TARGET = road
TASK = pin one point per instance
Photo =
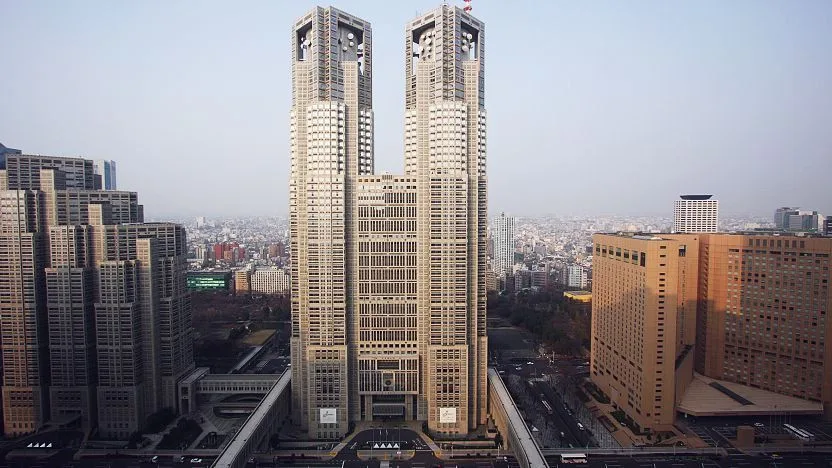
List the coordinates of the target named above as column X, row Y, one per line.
column 561, row 417
column 737, row 461
column 406, row 439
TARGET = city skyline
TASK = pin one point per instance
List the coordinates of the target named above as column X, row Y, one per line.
column 736, row 89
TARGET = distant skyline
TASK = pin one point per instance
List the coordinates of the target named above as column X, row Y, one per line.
column 596, row 108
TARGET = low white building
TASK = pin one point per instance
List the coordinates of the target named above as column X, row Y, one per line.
column 270, row 281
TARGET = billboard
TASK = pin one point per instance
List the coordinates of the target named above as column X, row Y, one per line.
column 329, row 416
column 447, row 415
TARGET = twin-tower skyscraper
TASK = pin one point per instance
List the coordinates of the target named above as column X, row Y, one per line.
column 388, row 271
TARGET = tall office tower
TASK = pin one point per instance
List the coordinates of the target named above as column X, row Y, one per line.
column 445, row 138
column 781, row 216
column 23, row 330
column 643, row 322
column 503, row 244
column 827, row 226
column 93, row 307
column 331, row 134
column 143, row 320
column 695, row 213
column 388, row 289
column 70, row 308
column 764, row 307
column 107, row 171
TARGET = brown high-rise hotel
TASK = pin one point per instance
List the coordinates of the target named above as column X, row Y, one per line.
column 94, row 315
column 712, row 324
column 388, row 271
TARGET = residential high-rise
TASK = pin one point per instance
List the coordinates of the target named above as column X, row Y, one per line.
column 503, row 244
column 95, row 315
column 107, row 171
column 388, row 271
column 575, row 276
column 745, row 313
column 695, row 213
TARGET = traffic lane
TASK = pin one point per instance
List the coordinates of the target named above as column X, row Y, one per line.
column 565, row 421
column 674, row 462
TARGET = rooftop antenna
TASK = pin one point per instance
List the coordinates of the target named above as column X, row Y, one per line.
column 468, row 6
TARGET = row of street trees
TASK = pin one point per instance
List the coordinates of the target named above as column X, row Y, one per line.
column 547, row 316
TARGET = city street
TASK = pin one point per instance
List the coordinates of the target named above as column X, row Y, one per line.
column 553, row 382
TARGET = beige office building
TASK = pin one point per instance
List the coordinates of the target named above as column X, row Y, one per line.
column 643, row 320
column 388, row 271
column 763, row 317
column 712, row 324
column 95, row 316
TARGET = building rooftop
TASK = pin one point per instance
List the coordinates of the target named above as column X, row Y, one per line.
column 711, row 397
column 580, row 296
column 695, row 197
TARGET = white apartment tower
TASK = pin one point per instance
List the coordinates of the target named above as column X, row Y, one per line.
column 388, row 290
column 503, row 244
column 695, row 213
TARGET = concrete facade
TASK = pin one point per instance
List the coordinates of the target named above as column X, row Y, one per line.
column 388, row 271
column 747, row 309
column 95, row 315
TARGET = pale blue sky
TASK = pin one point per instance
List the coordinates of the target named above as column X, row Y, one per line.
column 595, row 107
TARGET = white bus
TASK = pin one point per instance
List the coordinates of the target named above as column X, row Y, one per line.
column 547, row 406
column 573, row 458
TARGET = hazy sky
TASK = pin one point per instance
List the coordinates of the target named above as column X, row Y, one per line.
column 594, row 107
